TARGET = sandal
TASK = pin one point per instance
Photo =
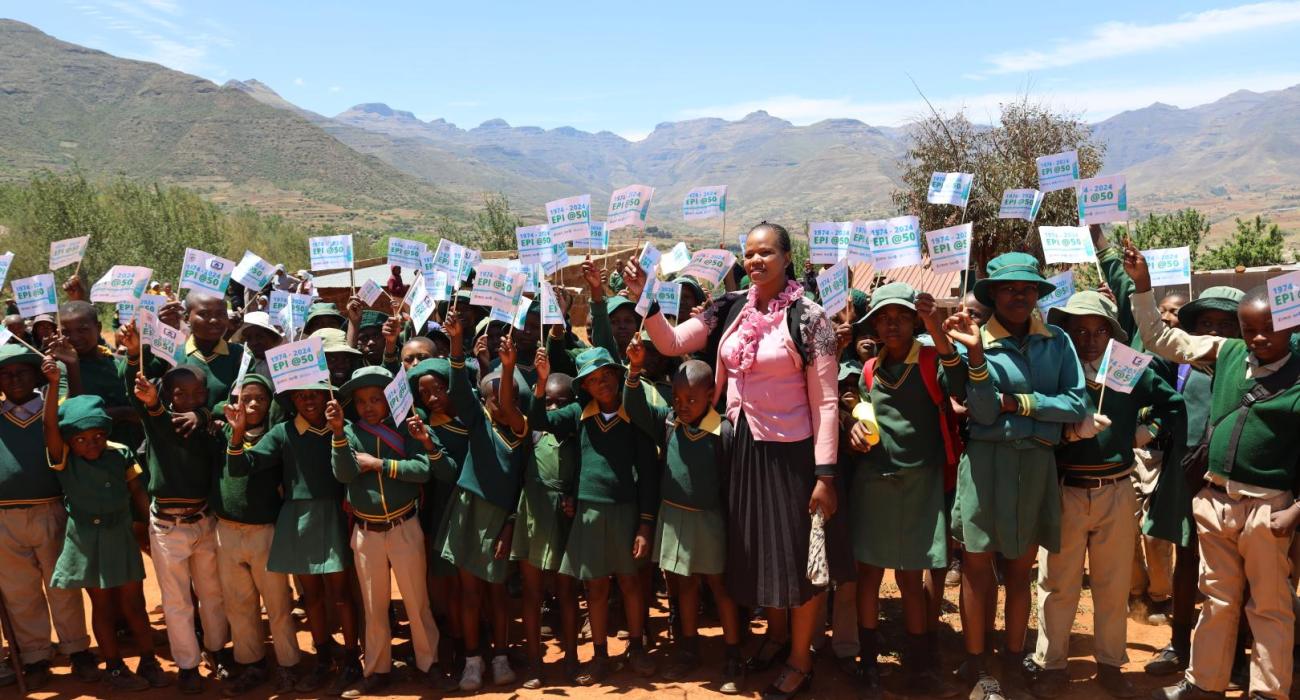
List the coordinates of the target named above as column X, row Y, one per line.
column 759, row 663
column 774, row 691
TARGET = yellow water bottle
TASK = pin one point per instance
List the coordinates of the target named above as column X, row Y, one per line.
column 865, row 414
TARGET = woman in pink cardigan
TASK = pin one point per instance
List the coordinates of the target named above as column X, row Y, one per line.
column 781, row 397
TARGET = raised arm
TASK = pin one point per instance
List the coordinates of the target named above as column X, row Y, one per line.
column 508, row 390
column 683, row 339
column 53, row 438
column 1111, row 261
column 648, row 418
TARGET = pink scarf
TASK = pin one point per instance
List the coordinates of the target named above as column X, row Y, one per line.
column 753, row 324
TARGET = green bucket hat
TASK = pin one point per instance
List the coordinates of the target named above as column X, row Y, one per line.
column 694, row 284
column 849, row 368
column 892, row 294
column 334, row 340
column 861, row 302
column 617, row 302
column 439, row 366
column 364, row 377
column 372, row 319
column 1089, row 303
column 1223, row 298
column 263, row 381
column 592, row 359
column 316, row 386
column 81, row 413
column 323, row 309
column 15, row 354
column 1011, row 267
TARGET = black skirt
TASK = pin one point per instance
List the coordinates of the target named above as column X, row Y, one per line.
column 768, row 487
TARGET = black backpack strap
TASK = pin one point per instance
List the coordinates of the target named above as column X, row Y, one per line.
column 794, row 317
column 1265, row 389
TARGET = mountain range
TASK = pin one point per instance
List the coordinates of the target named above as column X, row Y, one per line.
column 373, row 165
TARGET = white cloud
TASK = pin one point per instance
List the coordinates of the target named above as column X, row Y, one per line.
column 336, row 88
column 153, row 36
column 1123, row 38
column 167, row 6
column 299, row 82
column 1093, row 105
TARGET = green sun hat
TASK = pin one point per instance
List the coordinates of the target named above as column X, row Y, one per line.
column 617, row 302
column 1222, row 298
column 592, row 359
column 15, row 354
column 694, row 284
column 1011, row 267
column 1089, row 303
column 334, row 340
column 892, row 294
column 81, row 413
column 323, row 309
column 364, row 377
column 438, row 366
column 372, row 319
column 259, row 379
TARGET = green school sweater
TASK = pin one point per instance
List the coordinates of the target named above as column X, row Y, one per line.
column 252, row 499
column 394, row 491
column 182, row 471
column 552, row 466
column 617, row 459
column 695, row 457
column 101, row 375
column 908, row 418
column 454, row 438
column 1110, row 453
column 25, row 476
column 1121, row 285
column 494, row 465
column 300, row 452
column 221, row 367
column 1268, row 453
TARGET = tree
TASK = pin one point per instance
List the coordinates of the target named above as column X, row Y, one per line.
column 1255, row 243
column 1186, row 227
column 494, row 226
column 1002, row 157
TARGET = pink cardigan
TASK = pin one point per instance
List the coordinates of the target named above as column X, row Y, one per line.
column 783, row 400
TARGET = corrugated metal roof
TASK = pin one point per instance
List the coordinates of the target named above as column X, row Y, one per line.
column 919, row 277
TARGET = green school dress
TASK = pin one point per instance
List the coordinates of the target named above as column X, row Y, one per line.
column 487, row 487
column 617, row 487
column 99, row 549
column 1169, row 510
column 541, row 527
column 691, row 531
column 897, row 493
column 311, row 534
column 1008, row 499
column 454, row 437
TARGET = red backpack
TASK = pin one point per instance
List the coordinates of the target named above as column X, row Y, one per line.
column 949, row 426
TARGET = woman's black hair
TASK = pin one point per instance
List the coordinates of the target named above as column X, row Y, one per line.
column 782, row 242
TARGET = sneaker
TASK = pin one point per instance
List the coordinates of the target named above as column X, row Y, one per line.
column 733, row 677
column 471, row 679
column 1159, row 613
column 36, row 675
column 374, row 684
column 122, row 679
column 190, row 682
column 1167, row 662
column 641, row 662
column 286, row 679
column 952, row 579
column 221, row 664
column 502, row 674
column 682, row 664
column 253, row 676
column 153, row 673
column 349, row 675
column 315, row 678
column 987, row 688
column 85, row 667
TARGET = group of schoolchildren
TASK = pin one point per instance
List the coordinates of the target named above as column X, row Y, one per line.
column 588, row 468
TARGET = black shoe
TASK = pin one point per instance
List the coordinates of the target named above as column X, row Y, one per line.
column 684, row 661
column 349, row 675
column 442, row 681
column 596, row 671
column 1019, row 669
column 122, row 679
column 1239, row 679
column 1112, row 680
column 252, row 676
column 930, row 682
column 1048, row 683
column 286, row 678
column 774, row 692
column 36, row 675
column 190, row 682
column 312, row 680
column 1167, row 662
column 373, row 684
column 85, row 667
column 7, row 675
column 733, row 677
column 1184, row 690
column 221, row 664
column 869, row 687
column 153, row 673
column 762, row 661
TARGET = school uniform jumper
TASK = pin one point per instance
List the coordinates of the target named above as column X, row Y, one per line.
column 541, row 527
column 99, row 549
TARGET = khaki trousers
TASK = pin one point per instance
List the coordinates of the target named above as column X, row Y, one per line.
column 1153, row 558
column 183, row 555
column 1237, row 547
column 1099, row 525
column 242, row 551
column 381, row 557
column 30, row 541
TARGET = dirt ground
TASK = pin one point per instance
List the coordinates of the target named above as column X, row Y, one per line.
column 830, row 681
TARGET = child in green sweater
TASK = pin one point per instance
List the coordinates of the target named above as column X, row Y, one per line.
column 617, row 500
column 691, row 540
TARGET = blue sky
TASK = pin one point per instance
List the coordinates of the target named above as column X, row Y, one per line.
column 601, row 66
